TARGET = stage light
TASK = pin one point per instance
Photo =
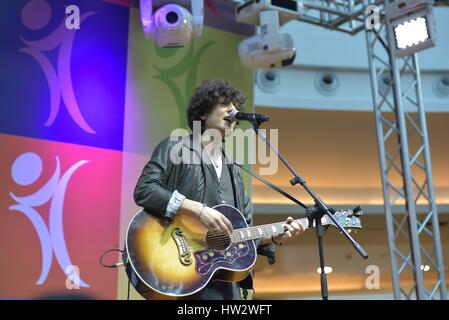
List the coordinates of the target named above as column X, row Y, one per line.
column 172, row 25
column 270, row 48
column 411, row 26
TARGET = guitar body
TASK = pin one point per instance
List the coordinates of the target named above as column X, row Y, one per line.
column 179, row 260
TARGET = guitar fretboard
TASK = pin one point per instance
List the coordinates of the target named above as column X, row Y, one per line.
column 266, row 230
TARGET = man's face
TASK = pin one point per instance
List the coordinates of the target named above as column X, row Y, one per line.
column 216, row 119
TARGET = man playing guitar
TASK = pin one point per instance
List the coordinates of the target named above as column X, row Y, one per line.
column 168, row 188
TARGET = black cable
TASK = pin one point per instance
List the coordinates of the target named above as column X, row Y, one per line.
column 114, row 265
column 272, row 186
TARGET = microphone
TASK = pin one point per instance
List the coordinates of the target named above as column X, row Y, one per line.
column 236, row 115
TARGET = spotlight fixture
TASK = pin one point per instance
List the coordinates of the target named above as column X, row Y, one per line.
column 411, row 26
column 270, row 48
column 172, row 24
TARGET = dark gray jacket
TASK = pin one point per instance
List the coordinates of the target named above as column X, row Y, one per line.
column 166, row 172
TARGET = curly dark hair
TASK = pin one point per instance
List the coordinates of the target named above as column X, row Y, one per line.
column 208, row 95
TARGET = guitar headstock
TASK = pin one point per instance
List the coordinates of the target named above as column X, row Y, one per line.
column 348, row 219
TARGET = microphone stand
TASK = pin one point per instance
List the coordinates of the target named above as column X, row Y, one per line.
column 314, row 213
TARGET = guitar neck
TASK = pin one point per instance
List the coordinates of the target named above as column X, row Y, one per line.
column 267, row 230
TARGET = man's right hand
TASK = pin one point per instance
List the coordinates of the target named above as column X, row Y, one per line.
column 215, row 221
column 212, row 219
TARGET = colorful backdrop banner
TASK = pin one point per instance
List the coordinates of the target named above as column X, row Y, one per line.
column 64, row 84
column 60, row 206
column 81, row 112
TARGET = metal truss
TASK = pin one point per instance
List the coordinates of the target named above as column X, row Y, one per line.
column 404, row 154
column 346, row 16
column 341, row 15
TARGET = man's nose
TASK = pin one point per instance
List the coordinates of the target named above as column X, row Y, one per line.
column 231, row 108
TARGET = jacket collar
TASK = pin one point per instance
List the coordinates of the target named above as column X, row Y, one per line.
column 193, row 144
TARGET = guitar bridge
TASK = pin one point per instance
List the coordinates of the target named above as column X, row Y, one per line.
column 183, row 248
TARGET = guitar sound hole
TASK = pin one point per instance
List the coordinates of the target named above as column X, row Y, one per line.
column 217, row 241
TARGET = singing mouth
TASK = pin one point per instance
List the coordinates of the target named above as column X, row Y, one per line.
column 226, row 119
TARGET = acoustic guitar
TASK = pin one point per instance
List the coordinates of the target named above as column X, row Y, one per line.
column 180, row 259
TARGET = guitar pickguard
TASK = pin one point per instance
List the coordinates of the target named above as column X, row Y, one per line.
column 206, row 260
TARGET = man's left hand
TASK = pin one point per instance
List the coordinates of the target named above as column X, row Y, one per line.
column 293, row 228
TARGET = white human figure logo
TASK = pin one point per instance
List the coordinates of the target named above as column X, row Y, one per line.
column 26, row 169
column 36, row 14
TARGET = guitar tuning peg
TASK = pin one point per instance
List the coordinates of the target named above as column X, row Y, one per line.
column 357, row 211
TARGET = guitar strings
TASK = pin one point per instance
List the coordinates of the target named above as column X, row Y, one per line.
column 251, row 230
column 233, row 236
column 219, row 239
column 263, row 227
